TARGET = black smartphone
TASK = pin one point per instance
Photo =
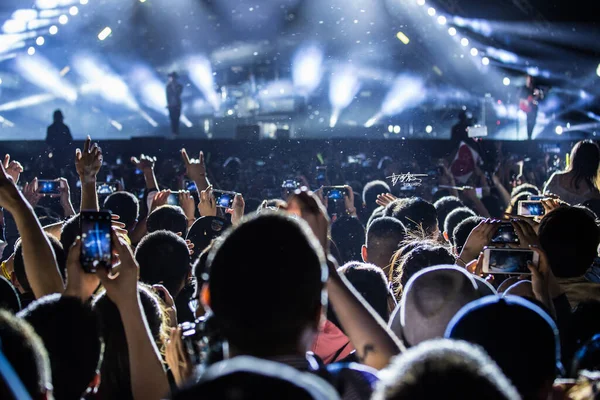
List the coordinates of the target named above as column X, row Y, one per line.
column 334, row 192
column 190, row 186
column 105, row 189
column 505, row 234
column 48, row 187
column 224, row 199
column 173, row 199
column 96, row 246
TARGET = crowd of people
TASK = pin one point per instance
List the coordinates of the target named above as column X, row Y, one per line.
column 315, row 280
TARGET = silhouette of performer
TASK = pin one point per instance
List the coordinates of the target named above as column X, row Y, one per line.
column 174, row 90
column 58, row 135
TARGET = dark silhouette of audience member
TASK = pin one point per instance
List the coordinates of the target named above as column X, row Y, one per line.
column 58, row 135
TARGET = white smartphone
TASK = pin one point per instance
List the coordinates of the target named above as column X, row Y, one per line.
column 530, row 208
column 508, row 261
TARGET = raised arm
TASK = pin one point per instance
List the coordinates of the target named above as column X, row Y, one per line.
column 146, row 165
column 148, row 378
column 38, row 257
column 196, row 170
column 375, row 344
column 88, row 163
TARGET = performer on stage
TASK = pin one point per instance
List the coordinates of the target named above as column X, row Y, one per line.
column 529, row 99
column 58, row 135
column 174, row 90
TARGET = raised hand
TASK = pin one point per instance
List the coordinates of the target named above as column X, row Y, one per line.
column 207, row 206
column 10, row 198
column 65, row 197
column 79, row 283
column 526, row 233
column 160, row 199
column 31, row 193
column 88, row 161
column 349, row 201
column 186, row 201
column 479, row 237
column 195, row 169
column 306, row 205
column 237, row 210
column 12, row 168
column 385, row 198
column 144, row 162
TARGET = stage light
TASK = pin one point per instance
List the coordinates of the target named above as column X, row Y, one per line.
column 307, row 69
column 421, row 2
column 396, row 129
column 559, row 130
column 431, row 11
column 53, row 30
column 506, row 81
column 485, row 61
column 402, row 37
column 31, row 51
column 0, row 81
column 74, row 10
column 46, row 4
column 118, row 126
column 42, row 73
column 452, row 31
column 83, row 2
column 441, row 20
column 428, row 129
column 598, row 70
column 27, row 102
column 391, row 128
column 406, row 91
column 502, row 55
column 201, row 75
column 40, row 41
column 63, row 19
column 533, row 71
column 14, row 26
column 230, row 112
column 464, row 41
column 474, row 52
column 343, row 87
column 104, row 33
column 371, row 121
column 142, row 1
column 25, row 15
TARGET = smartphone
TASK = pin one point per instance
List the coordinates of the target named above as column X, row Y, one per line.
column 173, row 199
column 224, row 199
column 190, row 186
column 48, row 187
column 530, row 208
column 96, row 246
column 335, row 192
column 105, row 189
column 505, row 234
column 508, row 261
column 321, row 174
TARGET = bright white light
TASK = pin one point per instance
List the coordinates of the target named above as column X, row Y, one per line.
column 40, row 41
column 397, row 129
column 27, row 102
column 307, row 69
column 452, row 31
column 104, row 33
column 464, row 41
column 53, row 30
column 485, row 61
column 46, row 4
column 118, row 126
column 421, row 2
column 371, row 121
column 431, row 11
column 343, row 86
column 0, row 81
column 441, row 20
column 74, row 10
column 391, row 128
column 598, row 70
column 25, row 15
column 230, row 112
column 83, row 2
column 406, row 91
column 63, row 19
column 428, row 129
column 583, row 94
column 42, row 73
column 31, row 51
column 14, row 26
column 533, row 71
column 502, row 55
column 506, row 81
column 150, row 88
column 201, row 75
column 559, row 130
column 474, row 51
